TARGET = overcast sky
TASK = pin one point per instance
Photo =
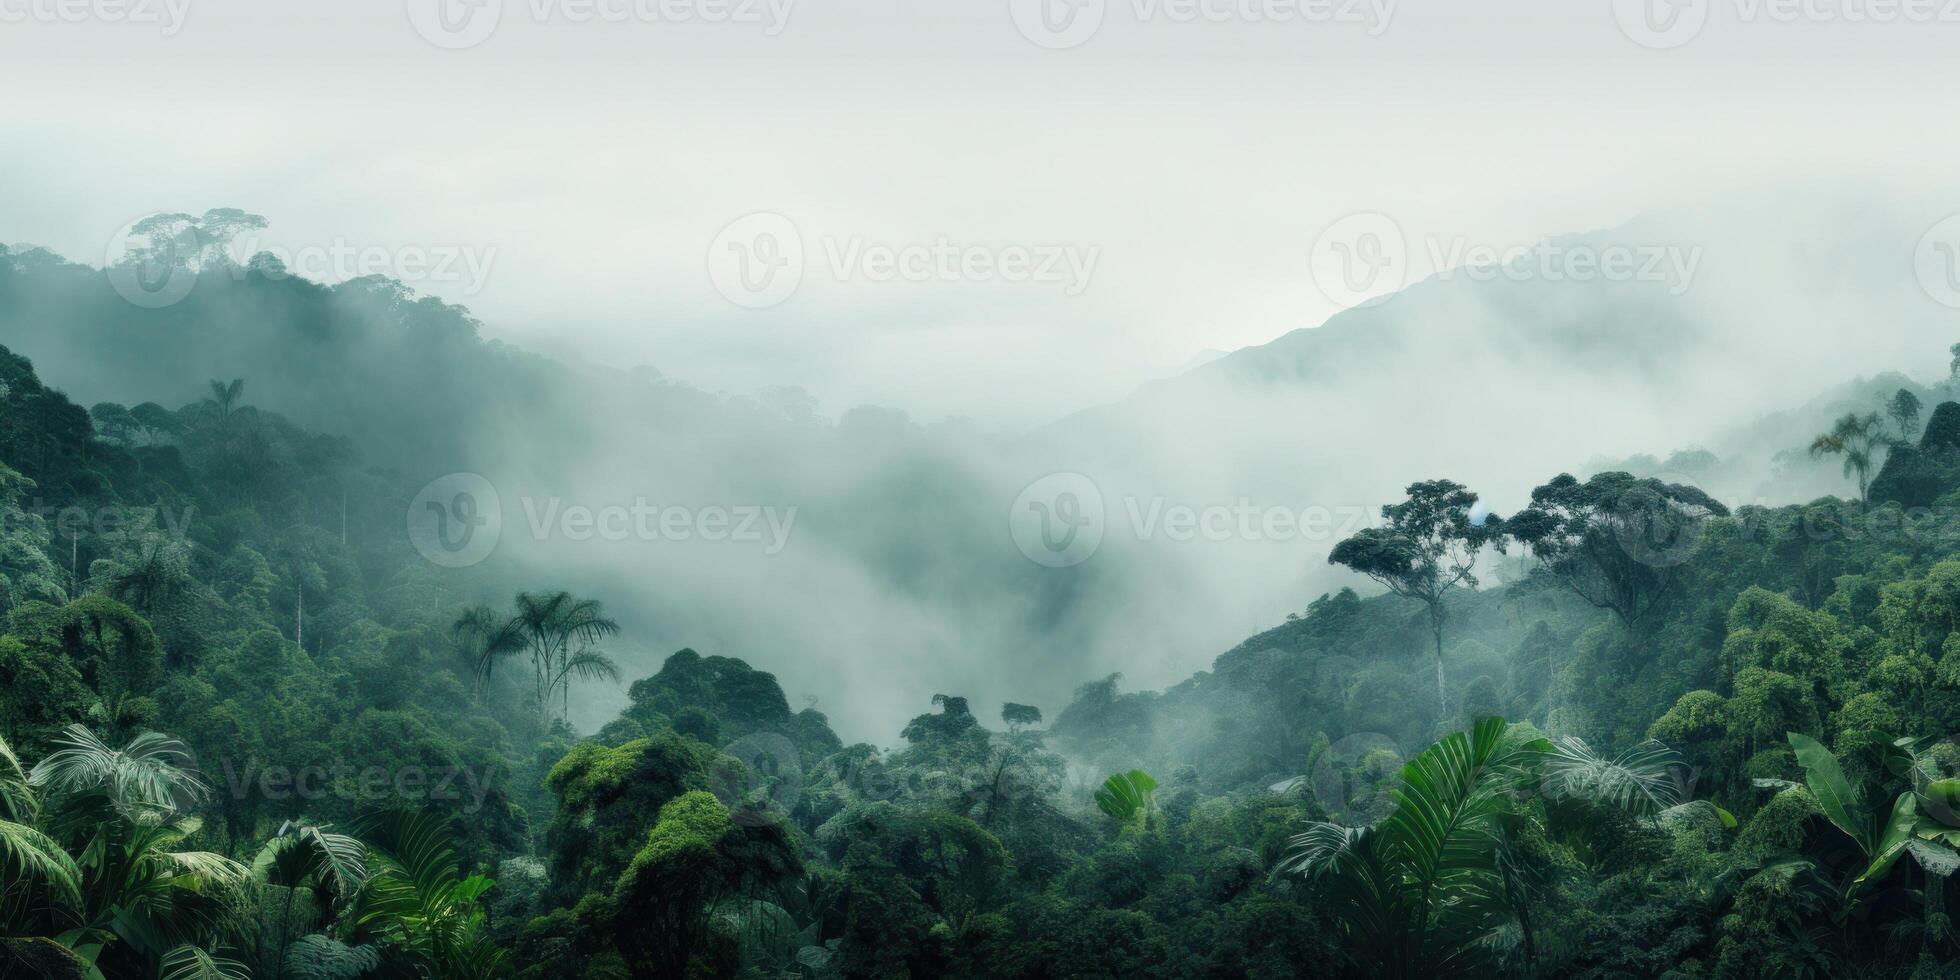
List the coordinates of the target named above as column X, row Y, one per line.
column 1170, row 175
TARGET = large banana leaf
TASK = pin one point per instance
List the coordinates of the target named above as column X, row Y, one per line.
column 1835, row 795
column 1892, row 843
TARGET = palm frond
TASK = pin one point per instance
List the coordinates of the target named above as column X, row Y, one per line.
column 17, row 800
column 1639, row 781
column 29, row 856
column 152, row 772
column 204, row 866
column 590, row 665
column 1126, row 796
column 191, row 963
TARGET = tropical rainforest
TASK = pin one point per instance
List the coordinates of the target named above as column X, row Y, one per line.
column 1627, row 729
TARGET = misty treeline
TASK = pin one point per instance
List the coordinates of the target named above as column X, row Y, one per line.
column 1628, row 729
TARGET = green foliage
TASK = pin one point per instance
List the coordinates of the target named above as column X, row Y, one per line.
column 1423, row 890
column 1617, row 541
column 1426, row 547
column 191, row 963
column 1127, row 797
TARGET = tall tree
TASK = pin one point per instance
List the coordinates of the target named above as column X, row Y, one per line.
column 555, row 629
column 1617, row 541
column 1857, row 438
column 1904, row 408
column 1427, row 546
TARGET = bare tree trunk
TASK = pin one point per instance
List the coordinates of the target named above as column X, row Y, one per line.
column 1436, row 628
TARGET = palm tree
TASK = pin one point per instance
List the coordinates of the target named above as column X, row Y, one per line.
column 1422, row 891
column 226, row 395
column 125, row 813
column 1857, row 438
column 418, row 900
column 555, row 629
column 485, row 636
column 329, row 868
column 41, row 881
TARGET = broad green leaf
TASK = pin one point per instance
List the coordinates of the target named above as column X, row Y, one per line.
column 1937, row 859
column 1834, row 794
column 1898, row 833
column 1125, row 796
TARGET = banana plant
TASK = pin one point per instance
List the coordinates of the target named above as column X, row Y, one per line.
column 1885, row 835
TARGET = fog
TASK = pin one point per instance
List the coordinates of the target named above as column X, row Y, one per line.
column 1204, row 167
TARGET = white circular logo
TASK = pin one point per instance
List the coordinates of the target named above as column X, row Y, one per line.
column 455, row 24
column 1350, row 778
column 1652, row 531
column 769, row 777
column 1057, row 520
column 1057, row 24
column 1360, row 260
column 153, row 262
column 1936, row 260
column 757, row 261
column 455, row 521
column 1661, row 24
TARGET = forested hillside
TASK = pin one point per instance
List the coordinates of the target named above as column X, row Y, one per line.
column 1630, row 729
